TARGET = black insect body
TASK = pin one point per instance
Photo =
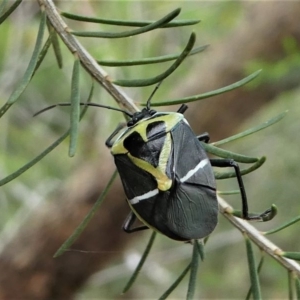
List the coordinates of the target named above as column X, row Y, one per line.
column 167, row 177
column 166, row 174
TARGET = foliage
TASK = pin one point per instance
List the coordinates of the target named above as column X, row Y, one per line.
column 82, row 58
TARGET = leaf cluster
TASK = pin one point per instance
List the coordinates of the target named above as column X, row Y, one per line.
column 53, row 23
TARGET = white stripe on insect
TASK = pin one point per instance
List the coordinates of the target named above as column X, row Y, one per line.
column 145, row 196
column 190, row 173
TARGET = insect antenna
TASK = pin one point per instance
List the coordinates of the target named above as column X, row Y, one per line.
column 152, row 94
column 83, row 104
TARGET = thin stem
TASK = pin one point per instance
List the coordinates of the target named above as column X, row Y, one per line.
column 87, row 61
column 257, row 237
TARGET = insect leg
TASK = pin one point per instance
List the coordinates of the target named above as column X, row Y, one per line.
column 109, row 142
column 223, row 163
column 182, row 109
column 129, row 222
column 204, row 137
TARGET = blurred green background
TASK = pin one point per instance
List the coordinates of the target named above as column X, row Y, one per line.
column 224, row 272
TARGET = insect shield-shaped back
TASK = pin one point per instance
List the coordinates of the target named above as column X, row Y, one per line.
column 166, row 175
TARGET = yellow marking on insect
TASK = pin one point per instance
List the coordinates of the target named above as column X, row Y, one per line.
column 165, row 154
column 171, row 120
column 164, row 183
column 118, row 148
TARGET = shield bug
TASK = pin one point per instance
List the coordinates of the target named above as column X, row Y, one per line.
column 166, row 174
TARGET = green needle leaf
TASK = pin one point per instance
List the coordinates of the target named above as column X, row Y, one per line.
column 146, row 61
column 297, row 285
column 208, row 94
column 159, row 78
column 30, row 69
column 255, row 285
column 270, row 215
column 3, row 6
column 42, row 55
column 113, row 35
column 77, row 232
column 251, row 130
column 291, row 255
column 194, row 271
column 140, row 264
column 75, row 107
column 126, row 23
column 228, row 154
column 55, row 45
column 231, row 174
column 5, row 15
column 267, row 216
column 46, row 151
column 290, row 285
column 233, row 192
column 33, row 161
column 200, row 248
column 283, row 226
column 176, row 283
column 258, row 271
